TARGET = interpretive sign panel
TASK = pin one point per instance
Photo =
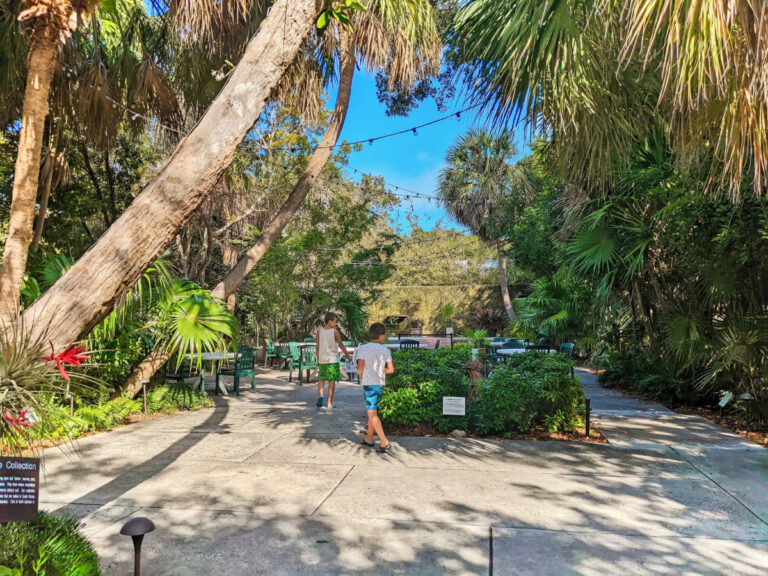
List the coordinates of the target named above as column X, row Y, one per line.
column 454, row 406
column 19, row 489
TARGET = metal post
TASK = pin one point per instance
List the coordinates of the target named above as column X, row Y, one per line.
column 136, row 528
column 589, row 409
column 137, row 554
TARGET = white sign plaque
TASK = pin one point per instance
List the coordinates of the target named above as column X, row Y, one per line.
column 454, row 406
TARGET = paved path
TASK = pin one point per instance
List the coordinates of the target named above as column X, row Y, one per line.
column 268, row 484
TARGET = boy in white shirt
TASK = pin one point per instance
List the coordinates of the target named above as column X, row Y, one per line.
column 374, row 362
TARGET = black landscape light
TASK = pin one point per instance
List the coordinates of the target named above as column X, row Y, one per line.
column 136, row 528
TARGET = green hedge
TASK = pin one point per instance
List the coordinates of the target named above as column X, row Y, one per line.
column 50, row 546
column 532, row 389
column 414, row 393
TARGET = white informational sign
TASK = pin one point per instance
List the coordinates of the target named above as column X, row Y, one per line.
column 454, row 406
column 448, row 331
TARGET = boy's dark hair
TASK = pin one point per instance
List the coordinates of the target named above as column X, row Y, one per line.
column 330, row 317
column 376, row 330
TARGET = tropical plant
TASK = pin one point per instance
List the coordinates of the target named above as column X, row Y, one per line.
column 171, row 316
column 31, row 375
column 479, row 174
column 476, row 338
column 49, row 545
column 597, row 76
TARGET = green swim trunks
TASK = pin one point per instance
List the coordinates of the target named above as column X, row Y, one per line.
column 329, row 372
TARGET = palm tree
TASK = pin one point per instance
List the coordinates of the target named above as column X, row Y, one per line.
column 48, row 22
column 399, row 37
column 597, row 76
column 478, row 176
column 395, row 36
column 89, row 290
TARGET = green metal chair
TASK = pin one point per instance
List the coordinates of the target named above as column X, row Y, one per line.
column 308, row 361
column 348, row 343
column 294, row 360
column 283, row 355
column 172, row 373
column 270, row 351
column 408, row 344
column 244, row 363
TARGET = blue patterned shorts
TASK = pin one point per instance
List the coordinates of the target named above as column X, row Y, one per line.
column 372, row 396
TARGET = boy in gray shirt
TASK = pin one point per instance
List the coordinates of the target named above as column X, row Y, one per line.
column 374, row 362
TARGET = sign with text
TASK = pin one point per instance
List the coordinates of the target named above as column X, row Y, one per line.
column 19, row 489
column 454, row 406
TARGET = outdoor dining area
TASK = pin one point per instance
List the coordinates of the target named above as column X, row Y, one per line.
column 301, row 357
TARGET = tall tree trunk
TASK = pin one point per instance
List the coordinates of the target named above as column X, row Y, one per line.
column 52, row 164
column 89, row 290
column 227, row 287
column 45, row 194
column 41, row 66
column 96, row 185
column 323, row 152
column 503, row 282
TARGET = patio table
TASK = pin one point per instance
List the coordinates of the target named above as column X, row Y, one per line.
column 209, row 358
column 511, row 351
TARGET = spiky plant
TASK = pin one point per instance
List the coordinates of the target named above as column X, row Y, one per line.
column 30, row 382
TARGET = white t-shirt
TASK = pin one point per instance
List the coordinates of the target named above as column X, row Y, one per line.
column 376, row 357
column 328, row 351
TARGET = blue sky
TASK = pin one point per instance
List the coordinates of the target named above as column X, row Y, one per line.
column 409, row 161
column 412, row 162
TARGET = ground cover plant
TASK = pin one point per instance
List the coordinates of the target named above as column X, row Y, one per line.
column 59, row 425
column 529, row 390
column 48, row 546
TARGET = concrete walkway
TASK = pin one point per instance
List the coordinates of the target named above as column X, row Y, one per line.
column 269, row 484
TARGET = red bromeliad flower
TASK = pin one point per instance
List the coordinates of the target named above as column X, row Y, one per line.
column 72, row 356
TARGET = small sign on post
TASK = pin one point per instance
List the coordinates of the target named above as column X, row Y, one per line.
column 19, row 489
column 454, row 406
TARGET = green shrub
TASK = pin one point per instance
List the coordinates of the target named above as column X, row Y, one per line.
column 401, row 407
column 637, row 371
column 531, row 389
column 49, row 546
column 414, row 393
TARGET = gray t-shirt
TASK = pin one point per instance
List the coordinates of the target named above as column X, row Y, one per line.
column 376, row 357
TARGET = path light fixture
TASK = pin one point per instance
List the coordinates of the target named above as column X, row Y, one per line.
column 136, row 528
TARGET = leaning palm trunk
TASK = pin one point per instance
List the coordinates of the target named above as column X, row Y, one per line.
column 323, row 152
column 144, row 371
column 503, row 282
column 88, row 291
column 41, row 66
column 225, row 290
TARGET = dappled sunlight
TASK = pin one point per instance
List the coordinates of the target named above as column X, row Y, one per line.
column 269, row 480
